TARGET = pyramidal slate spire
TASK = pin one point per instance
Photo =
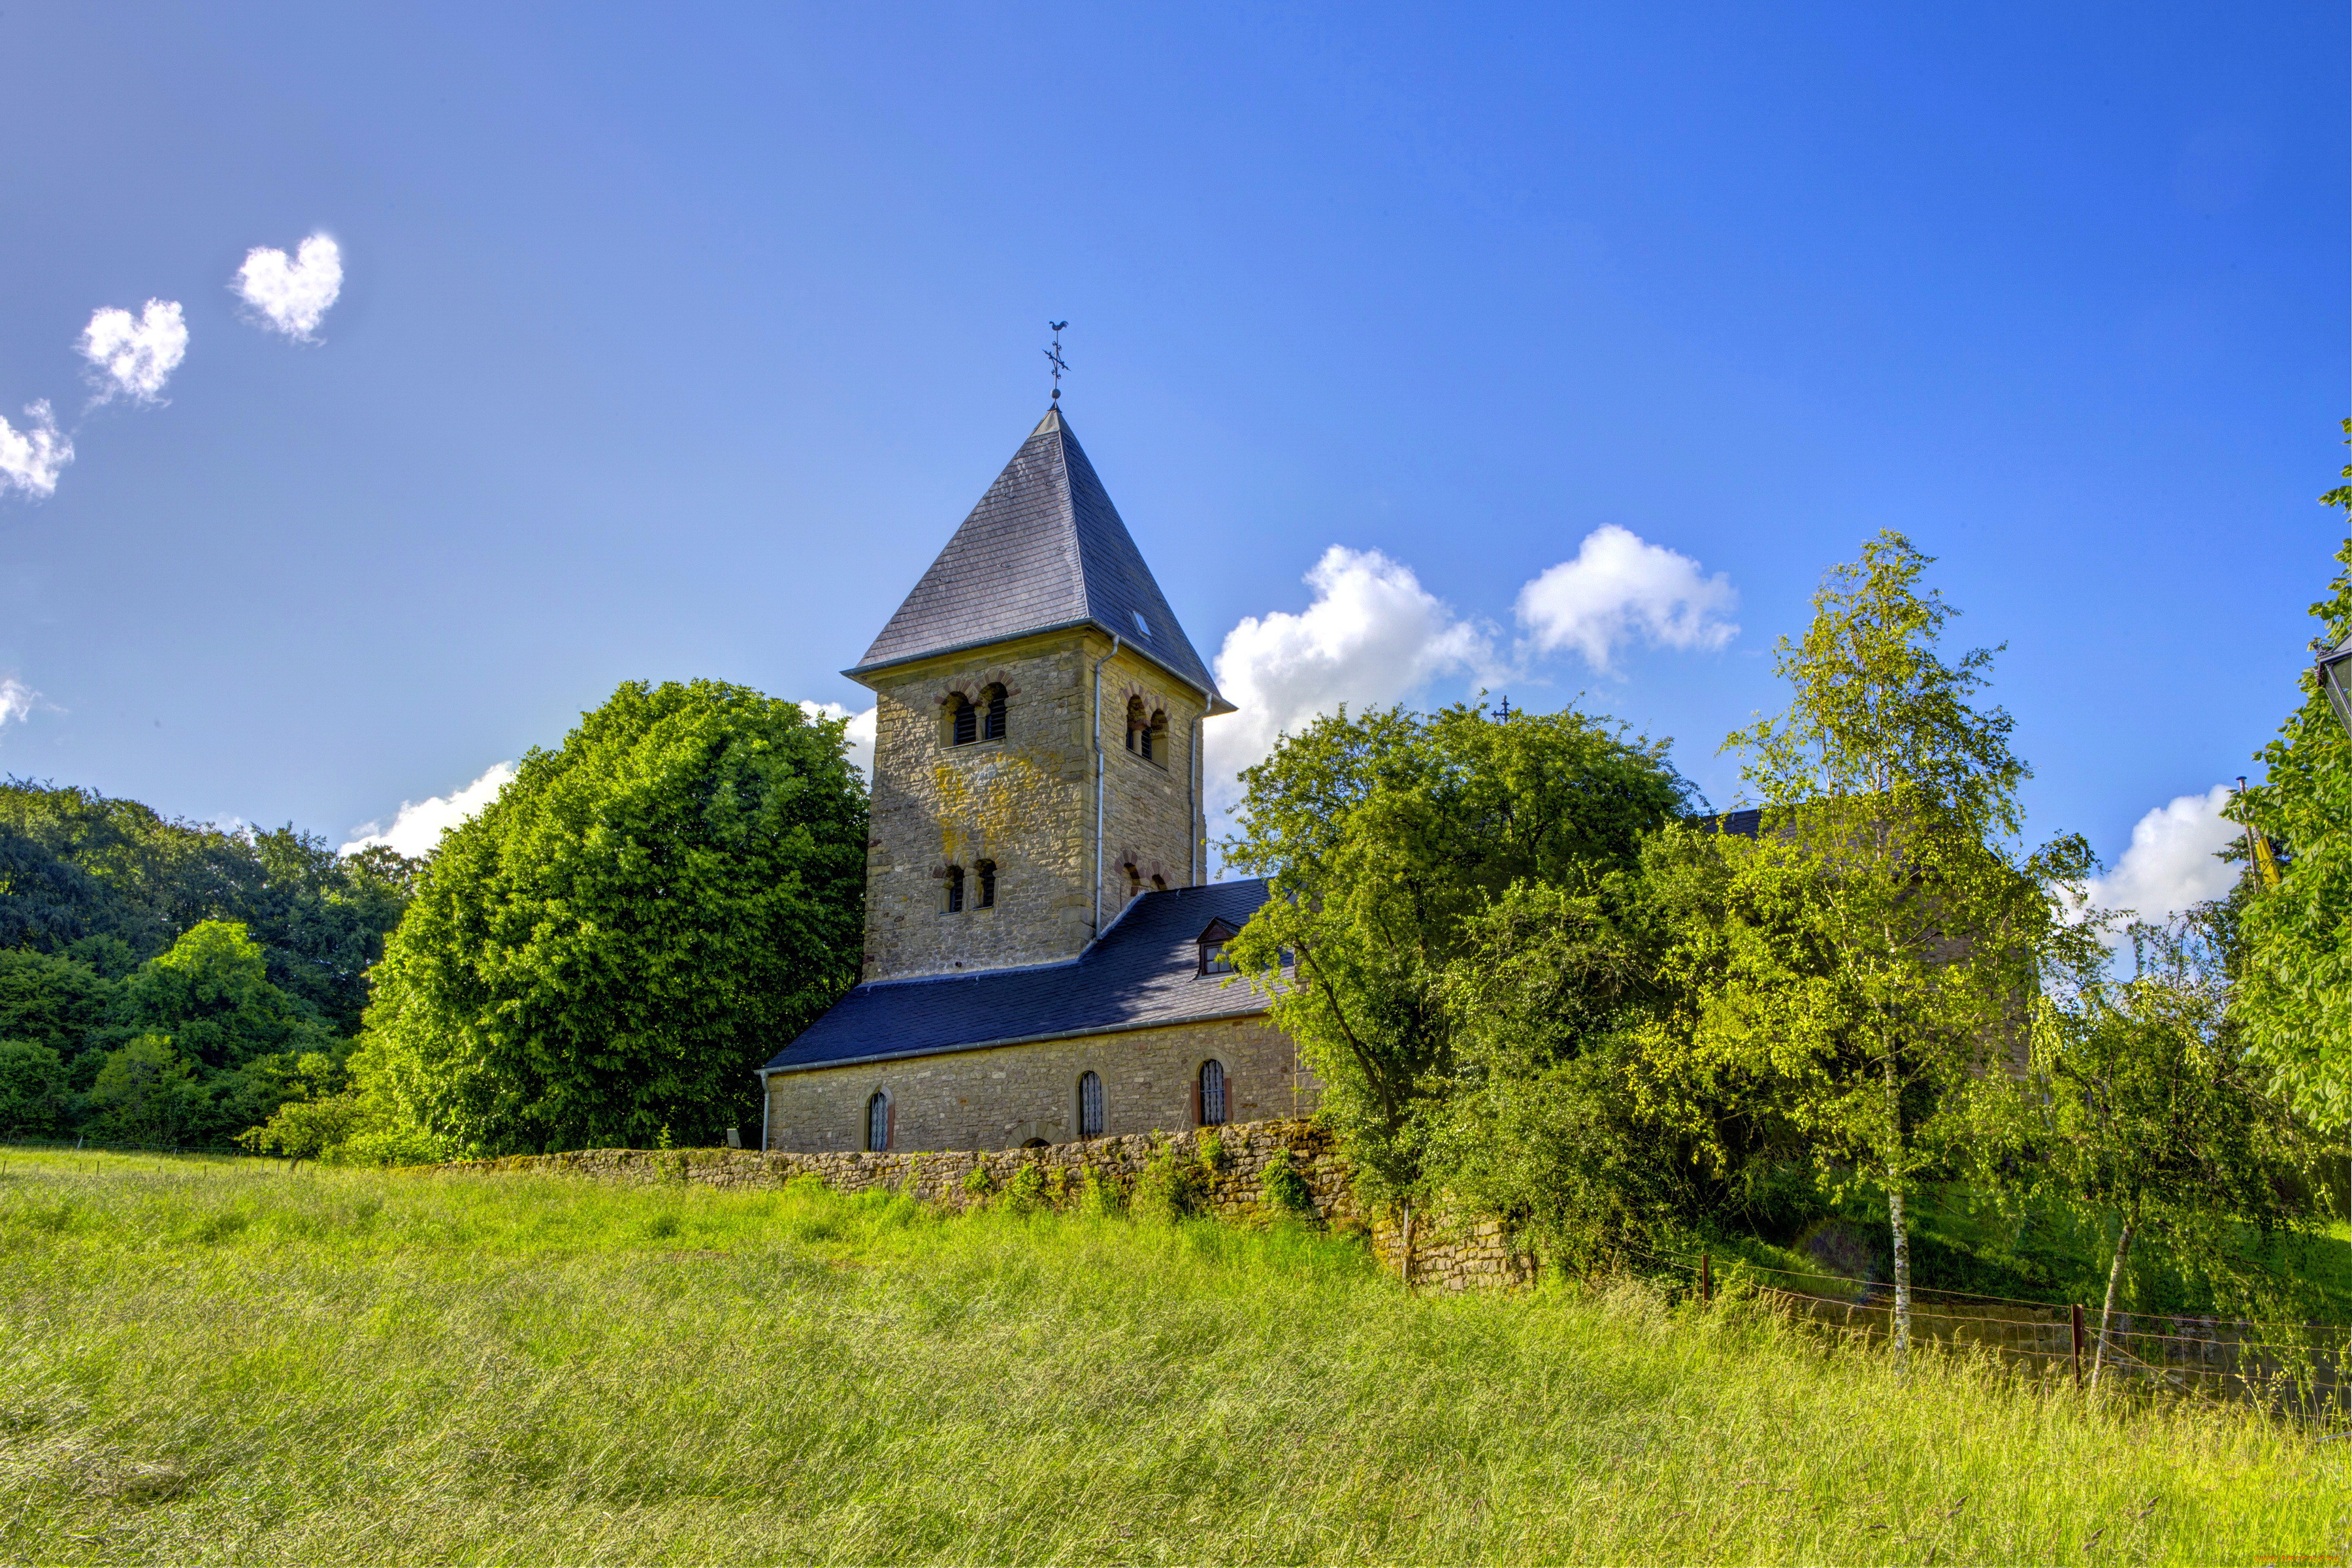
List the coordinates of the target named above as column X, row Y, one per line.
column 1044, row 550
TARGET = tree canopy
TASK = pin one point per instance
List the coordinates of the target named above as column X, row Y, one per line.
column 612, row 948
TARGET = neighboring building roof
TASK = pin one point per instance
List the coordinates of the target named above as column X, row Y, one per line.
column 1143, row 972
column 1045, row 549
column 1740, row 824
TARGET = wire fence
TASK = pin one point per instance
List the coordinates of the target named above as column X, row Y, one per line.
column 101, row 1146
column 2295, row 1368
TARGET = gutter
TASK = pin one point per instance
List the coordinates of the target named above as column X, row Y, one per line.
column 1098, row 778
column 1196, row 830
column 763, row 1112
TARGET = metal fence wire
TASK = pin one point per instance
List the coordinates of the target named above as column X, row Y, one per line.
column 2288, row 1367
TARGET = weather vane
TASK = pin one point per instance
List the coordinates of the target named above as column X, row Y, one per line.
column 1053, row 358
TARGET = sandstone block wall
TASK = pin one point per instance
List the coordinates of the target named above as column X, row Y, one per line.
column 1026, row 802
column 1472, row 1256
column 1004, row 1098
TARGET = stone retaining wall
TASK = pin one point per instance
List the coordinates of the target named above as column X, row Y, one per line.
column 1445, row 1257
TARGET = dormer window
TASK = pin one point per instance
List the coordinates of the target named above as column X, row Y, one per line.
column 1215, row 957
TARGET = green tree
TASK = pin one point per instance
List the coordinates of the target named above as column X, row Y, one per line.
column 2294, row 997
column 1385, row 836
column 145, row 1093
column 616, row 944
column 1880, row 938
column 53, row 1001
column 211, row 994
column 2158, row 1115
column 34, row 1097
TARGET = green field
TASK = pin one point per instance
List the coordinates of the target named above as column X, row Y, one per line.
column 212, row 1360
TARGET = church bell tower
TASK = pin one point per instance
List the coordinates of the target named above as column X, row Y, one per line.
column 1037, row 733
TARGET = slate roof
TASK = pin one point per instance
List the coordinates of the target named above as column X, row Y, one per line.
column 1144, row 972
column 1740, row 823
column 1045, row 549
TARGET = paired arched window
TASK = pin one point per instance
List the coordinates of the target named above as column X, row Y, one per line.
column 983, row 720
column 955, row 889
column 1134, row 879
column 1146, row 731
column 1209, row 1094
column 1090, row 1106
column 987, row 869
column 879, row 1123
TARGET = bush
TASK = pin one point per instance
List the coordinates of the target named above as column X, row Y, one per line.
column 1099, row 1198
column 1169, row 1189
column 1281, row 1189
column 1026, row 1193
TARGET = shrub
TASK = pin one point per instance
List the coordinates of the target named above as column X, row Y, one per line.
column 1026, row 1192
column 1211, row 1150
column 1169, row 1189
column 1281, row 1189
column 1099, row 1198
column 979, row 1183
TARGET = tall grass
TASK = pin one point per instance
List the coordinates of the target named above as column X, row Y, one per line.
column 213, row 1362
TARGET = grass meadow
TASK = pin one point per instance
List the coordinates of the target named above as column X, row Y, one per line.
column 213, row 1361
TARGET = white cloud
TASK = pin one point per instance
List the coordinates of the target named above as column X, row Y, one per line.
column 31, row 459
column 135, row 355
column 16, row 700
column 1620, row 587
column 861, row 731
column 417, row 827
column 1373, row 634
column 292, row 297
column 2170, row 864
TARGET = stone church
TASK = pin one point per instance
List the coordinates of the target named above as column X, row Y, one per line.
column 1044, row 951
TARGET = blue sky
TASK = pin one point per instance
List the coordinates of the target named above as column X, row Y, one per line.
column 673, row 341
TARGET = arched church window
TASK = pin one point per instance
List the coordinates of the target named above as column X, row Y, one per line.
column 987, row 869
column 1155, row 738
column 992, row 719
column 1209, row 1094
column 1159, row 883
column 1139, row 727
column 1090, row 1106
column 963, row 720
column 955, row 889
column 1134, row 879
column 879, row 1123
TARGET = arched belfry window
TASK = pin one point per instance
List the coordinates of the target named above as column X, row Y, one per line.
column 1155, row 737
column 987, row 869
column 1134, row 879
column 1091, row 1105
column 1209, row 1094
column 1139, row 728
column 955, row 889
column 881, row 1121
column 991, row 714
column 963, row 720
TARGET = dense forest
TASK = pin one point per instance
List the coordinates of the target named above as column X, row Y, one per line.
column 170, row 981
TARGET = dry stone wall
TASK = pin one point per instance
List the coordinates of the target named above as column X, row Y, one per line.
column 1232, row 1186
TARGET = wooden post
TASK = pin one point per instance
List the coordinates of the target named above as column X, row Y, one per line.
column 1706, row 1278
column 2076, row 1313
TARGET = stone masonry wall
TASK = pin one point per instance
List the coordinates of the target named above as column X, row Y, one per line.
column 1477, row 1256
column 1002, row 1098
column 1026, row 802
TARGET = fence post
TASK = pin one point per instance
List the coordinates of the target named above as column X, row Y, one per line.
column 2075, row 1314
column 1705, row 1278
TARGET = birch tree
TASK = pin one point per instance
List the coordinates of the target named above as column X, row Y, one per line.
column 1879, row 936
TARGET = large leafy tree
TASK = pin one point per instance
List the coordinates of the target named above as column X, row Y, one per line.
column 1876, row 943
column 2295, row 1001
column 608, row 951
column 1388, row 835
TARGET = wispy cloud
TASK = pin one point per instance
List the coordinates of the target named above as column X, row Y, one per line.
column 31, row 459
column 292, row 295
column 861, row 731
column 417, row 827
column 17, row 701
column 1621, row 588
column 133, row 356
